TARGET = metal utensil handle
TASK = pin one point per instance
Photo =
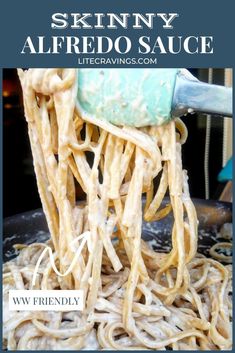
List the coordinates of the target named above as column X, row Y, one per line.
column 193, row 95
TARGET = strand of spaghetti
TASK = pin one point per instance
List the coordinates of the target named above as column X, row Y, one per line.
column 95, row 277
column 126, row 241
column 115, row 172
column 221, row 257
column 62, row 333
column 157, row 200
column 134, row 274
column 192, row 219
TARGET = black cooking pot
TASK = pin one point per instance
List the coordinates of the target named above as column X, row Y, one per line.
column 30, row 227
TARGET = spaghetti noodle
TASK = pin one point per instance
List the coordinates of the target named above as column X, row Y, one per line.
column 136, row 298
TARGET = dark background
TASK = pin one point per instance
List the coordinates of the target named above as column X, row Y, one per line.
column 19, row 184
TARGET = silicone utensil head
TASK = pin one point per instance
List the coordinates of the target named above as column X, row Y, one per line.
column 133, row 97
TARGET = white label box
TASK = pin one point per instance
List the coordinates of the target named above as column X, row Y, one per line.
column 44, row 300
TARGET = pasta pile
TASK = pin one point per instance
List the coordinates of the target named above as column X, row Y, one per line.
column 135, row 298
